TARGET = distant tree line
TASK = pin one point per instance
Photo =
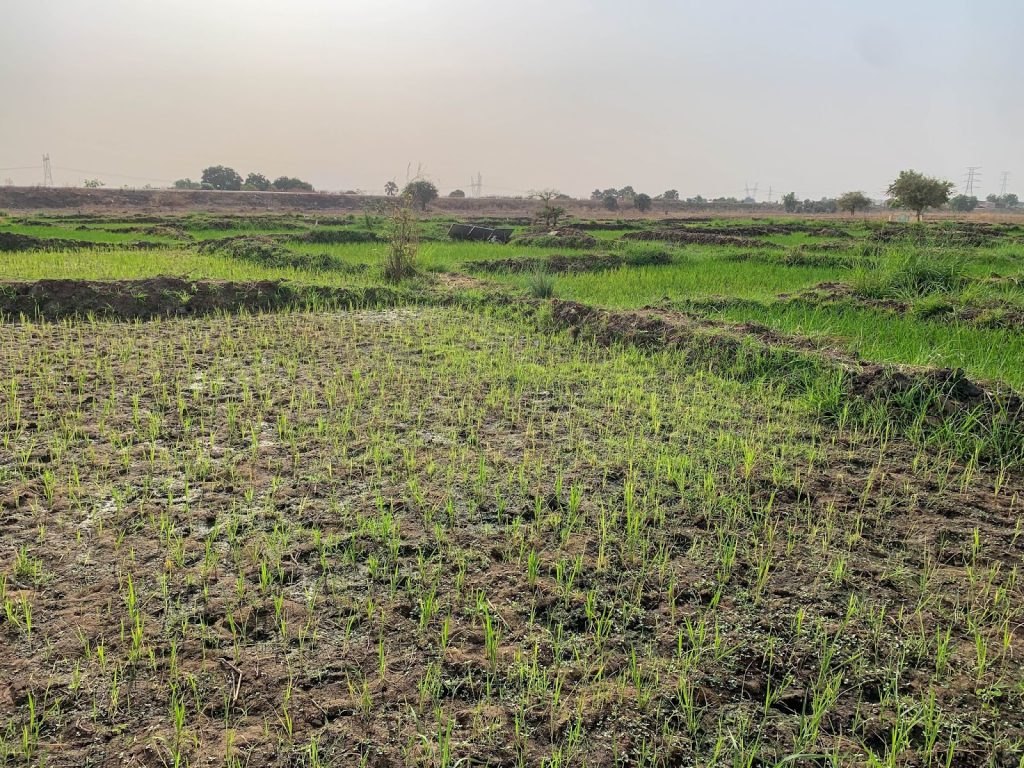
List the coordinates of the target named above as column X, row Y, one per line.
column 791, row 204
column 1008, row 200
column 910, row 190
column 613, row 198
column 225, row 178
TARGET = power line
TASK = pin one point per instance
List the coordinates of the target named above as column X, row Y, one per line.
column 972, row 176
column 48, row 169
column 115, row 175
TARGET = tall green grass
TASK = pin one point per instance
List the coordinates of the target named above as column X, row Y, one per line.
column 90, row 235
column 874, row 334
column 699, row 274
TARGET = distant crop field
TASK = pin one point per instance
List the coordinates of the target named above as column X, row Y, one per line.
column 722, row 492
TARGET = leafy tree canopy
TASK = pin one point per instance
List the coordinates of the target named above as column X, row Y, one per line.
column 918, row 192
column 853, row 202
column 257, row 181
column 290, row 184
column 421, row 192
column 222, row 177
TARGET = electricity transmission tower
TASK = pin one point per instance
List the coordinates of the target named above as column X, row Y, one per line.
column 752, row 192
column 47, row 173
column 972, row 176
column 1002, row 186
column 476, row 184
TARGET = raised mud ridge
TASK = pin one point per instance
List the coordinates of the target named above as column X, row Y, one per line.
column 929, row 397
column 689, row 237
column 565, row 263
column 154, row 297
column 12, row 242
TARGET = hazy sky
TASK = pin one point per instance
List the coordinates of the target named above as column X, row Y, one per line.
column 814, row 96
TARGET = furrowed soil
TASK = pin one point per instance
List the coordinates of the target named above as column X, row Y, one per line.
column 418, row 536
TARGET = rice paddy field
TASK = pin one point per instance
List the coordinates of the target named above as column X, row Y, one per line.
column 671, row 493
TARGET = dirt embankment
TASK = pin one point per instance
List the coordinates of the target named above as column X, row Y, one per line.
column 175, row 297
column 983, row 313
column 690, row 237
column 565, row 237
column 993, row 415
column 567, row 263
column 765, row 230
column 966, row 234
column 12, row 242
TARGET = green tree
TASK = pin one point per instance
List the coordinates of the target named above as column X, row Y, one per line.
column 642, row 202
column 391, row 189
column 963, row 203
column 789, row 202
column 918, row 192
column 670, row 194
column 257, row 181
column 853, row 202
column 222, row 177
column 187, row 184
column 93, row 183
column 456, row 193
column 421, row 193
column 549, row 213
column 611, row 202
column 291, row 184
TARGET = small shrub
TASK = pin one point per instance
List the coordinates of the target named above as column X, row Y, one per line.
column 912, row 273
column 540, row 285
column 640, row 254
column 400, row 257
column 420, row 192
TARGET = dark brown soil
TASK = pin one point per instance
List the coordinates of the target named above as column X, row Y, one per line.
column 959, row 233
column 160, row 230
column 766, row 230
column 335, row 236
column 565, row 237
column 171, row 297
column 564, row 263
column 236, row 493
column 605, row 226
column 689, row 237
column 12, row 242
